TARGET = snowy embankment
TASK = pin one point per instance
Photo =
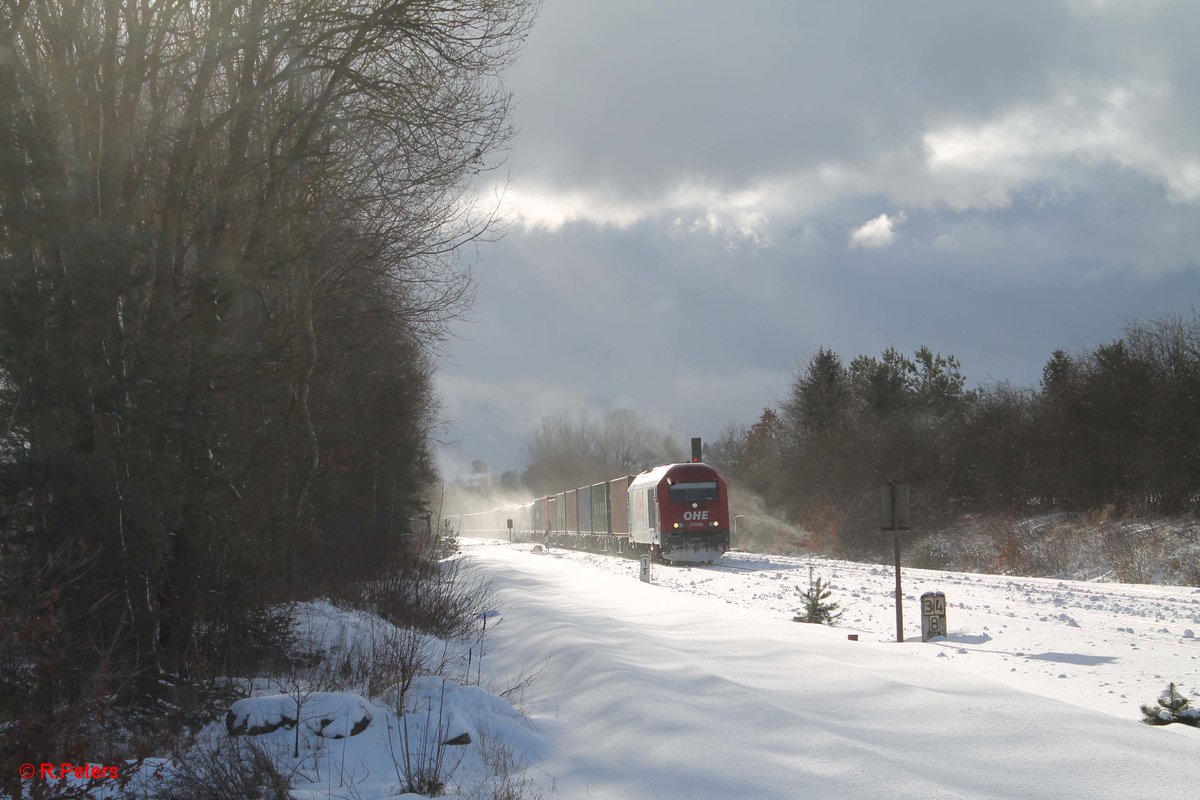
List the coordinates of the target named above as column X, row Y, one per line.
column 454, row 738
column 698, row 685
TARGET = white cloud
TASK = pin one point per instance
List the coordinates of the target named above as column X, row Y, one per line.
column 981, row 166
column 877, row 233
column 539, row 209
column 1044, row 153
column 741, row 217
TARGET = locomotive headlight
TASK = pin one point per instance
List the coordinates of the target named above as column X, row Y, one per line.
column 716, row 524
column 676, row 525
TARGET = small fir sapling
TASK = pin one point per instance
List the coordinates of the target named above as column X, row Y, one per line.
column 1172, row 707
column 817, row 609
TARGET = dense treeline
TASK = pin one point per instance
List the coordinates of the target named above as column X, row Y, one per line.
column 227, row 243
column 1116, row 427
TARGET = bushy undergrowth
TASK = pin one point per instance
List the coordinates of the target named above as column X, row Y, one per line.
column 1085, row 546
column 232, row 769
column 437, row 597
column 373, row 639
column 1097, row 545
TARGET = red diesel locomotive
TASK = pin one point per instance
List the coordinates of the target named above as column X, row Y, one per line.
column 679, row 512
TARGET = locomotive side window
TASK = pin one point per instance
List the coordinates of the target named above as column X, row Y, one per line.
column 690, row 492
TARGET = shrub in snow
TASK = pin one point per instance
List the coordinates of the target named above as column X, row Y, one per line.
column 435, row 597
column 1172, row 707
column 447, row 539
column 231, row 769
column 436, row 714
column 817, row 609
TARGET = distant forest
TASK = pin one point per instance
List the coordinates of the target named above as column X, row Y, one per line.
column 1113, row 429
column 1113, row 432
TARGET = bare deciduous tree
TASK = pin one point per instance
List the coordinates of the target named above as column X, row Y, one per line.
column 565, row 454
column 219, row 221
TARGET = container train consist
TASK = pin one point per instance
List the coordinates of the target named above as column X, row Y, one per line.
column 675, row 512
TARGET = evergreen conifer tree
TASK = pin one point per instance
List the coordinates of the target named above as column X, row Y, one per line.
column 817, row 609
column 1172, row 707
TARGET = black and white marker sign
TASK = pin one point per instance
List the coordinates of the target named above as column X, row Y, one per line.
column 933, row 615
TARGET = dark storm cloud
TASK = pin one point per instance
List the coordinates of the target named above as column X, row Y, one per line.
column 636, row 92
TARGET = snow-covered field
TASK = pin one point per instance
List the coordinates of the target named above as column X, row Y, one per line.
column 698, row 685
column 1104, row 646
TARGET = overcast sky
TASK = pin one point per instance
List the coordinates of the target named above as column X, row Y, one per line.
column 703, row 193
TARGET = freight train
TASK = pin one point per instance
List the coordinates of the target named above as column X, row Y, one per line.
column 676, row 513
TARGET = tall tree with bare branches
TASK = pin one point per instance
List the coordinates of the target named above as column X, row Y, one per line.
column 214, row 218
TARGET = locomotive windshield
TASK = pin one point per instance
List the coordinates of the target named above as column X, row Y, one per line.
column 690, row 492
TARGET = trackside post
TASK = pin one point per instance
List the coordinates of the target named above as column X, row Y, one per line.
column 893, row 508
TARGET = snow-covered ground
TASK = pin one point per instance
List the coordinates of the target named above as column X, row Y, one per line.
column 1104, row 646
column 698, row 685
